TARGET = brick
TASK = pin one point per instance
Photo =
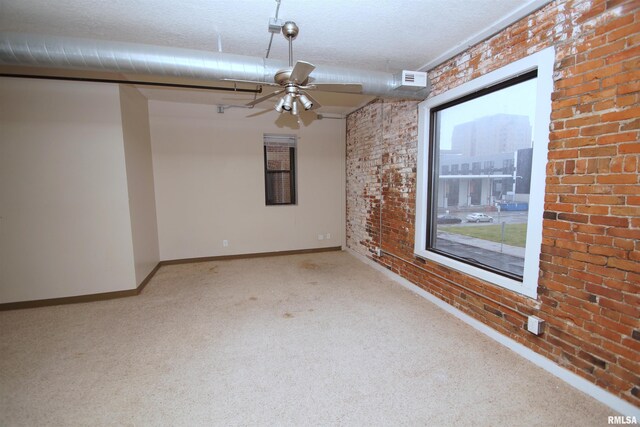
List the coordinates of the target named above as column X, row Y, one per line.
column 573, row 246
column 607, row 104
column 608, row 49
column 624, row 264
column 617, row 137
column 622, row 285
column 575, row 199
column 618, row 178
column 589, row 258
column 564, row 134
column 589, row 14
column 600, row 129
column 593, row 209
column 628, row 113
column 612, row 294
column 605, row 200
column 604, row 151
column 562, row 103
column 624, row 232
column 633, row 148
column 630, row 164
column 579, row 90
column 623, row 55
column 628, row 88
column 625, row 210
column 573, row 217
column 626, row 100
column 607, row 251
column 599, row 95
column 587, row 228
column 624, row 244
column 623, row 32
column 594, row 189
column 578, row 179
column 624, row 189
column 610, row 220
column 579, row 142
column 567, row 82
column 603, row 72
column 559, row 207
column 620, row 349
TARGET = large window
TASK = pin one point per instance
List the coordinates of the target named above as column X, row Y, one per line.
column 482, row 219
column 280, row 169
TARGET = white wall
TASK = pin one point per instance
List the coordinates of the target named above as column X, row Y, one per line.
column 209, row 181
column 65, row 228
column 142, row 204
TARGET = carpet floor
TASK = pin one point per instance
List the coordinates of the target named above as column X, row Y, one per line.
column 320, row 339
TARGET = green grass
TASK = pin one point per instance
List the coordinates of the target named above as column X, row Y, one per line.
column 514, row 234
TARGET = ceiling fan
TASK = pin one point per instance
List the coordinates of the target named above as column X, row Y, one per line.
column 294, row 82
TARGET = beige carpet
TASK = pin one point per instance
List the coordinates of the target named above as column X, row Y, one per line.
column 298, row 340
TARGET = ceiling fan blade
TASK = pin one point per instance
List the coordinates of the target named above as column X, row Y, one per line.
column 337, row 87
column 301, row 71
column 263, row 98
column 253, row 82
column 316, row 104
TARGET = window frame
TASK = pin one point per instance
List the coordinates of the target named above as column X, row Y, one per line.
column 543, row 62
column 289, row 141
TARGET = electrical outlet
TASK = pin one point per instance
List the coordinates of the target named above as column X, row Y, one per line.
column 535, row 325
column 225, row 243
column 320, row 237
column 328, row 236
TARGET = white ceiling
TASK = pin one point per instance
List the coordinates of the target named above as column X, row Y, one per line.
column 383, row 35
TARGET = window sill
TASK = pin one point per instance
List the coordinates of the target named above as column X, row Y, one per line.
column 488, row 276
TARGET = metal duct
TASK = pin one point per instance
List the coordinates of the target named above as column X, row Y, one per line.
column 100, row 55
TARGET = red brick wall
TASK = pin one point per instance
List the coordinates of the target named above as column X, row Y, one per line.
column 589, row 287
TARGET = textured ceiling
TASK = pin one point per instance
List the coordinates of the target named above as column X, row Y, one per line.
column 384, row 35
column 381, row 35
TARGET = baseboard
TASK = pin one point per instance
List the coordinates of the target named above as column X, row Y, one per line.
column 147, row 279
column 133, row 292
column 81, row 298
column 612, row 401
column 68, row 300
column 249, row 255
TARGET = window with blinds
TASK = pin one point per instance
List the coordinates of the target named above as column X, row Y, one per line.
column 280, row 169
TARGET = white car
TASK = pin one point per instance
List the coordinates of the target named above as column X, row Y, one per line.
column 479, row 217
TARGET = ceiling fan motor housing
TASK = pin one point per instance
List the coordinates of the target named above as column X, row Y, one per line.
column 282, row 76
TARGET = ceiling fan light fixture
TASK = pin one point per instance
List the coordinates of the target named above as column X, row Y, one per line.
column 293, row 80
column 288, row 101
column 306, row 102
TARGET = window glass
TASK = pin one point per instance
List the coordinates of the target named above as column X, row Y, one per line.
column 279, row 169
column 487, row 222
column 479, row 214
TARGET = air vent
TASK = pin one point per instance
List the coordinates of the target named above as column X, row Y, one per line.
column 414, row 80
